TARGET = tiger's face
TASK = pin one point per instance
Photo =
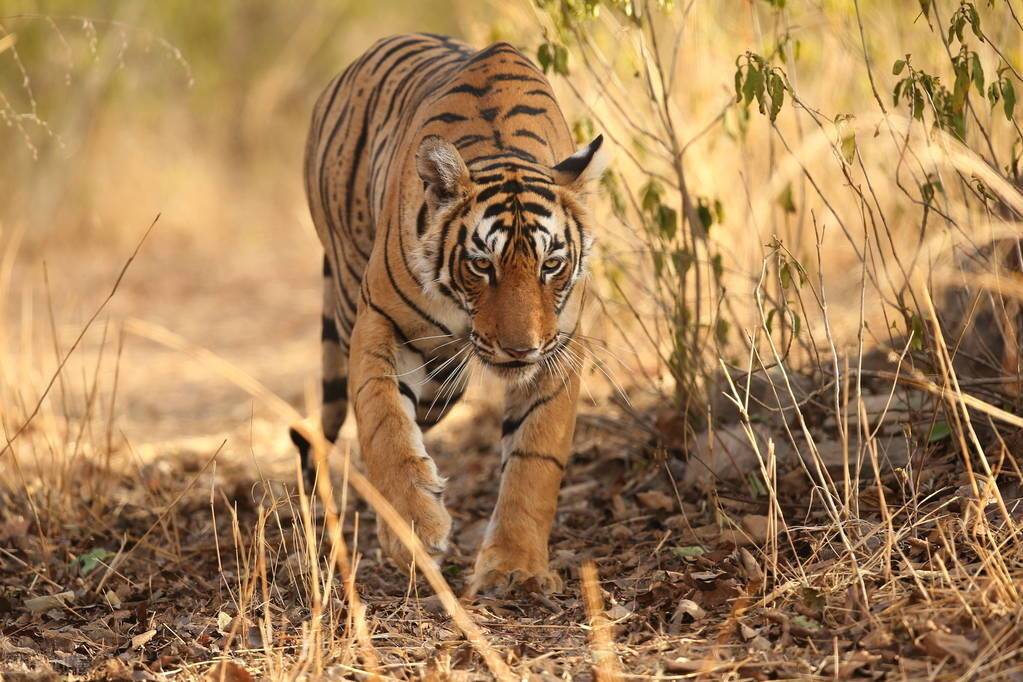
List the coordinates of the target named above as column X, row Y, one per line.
column 507, row 243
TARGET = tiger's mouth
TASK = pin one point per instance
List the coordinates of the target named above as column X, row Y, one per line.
column 510, row 364
column 489, row 357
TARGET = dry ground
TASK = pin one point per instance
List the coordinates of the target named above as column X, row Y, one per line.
column 160, row 532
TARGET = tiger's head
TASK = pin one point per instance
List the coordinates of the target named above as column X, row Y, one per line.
column 506, row 241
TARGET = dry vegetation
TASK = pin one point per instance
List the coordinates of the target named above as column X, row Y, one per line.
column 798, row 455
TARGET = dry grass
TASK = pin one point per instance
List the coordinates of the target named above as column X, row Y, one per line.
column 854, row 509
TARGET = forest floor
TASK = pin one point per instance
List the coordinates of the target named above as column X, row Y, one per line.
column 156, row 531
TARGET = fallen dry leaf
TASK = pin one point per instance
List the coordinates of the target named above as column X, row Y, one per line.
column 656, row 500
column 690, row 608
column 49, row 601
column 756, row 525
column 228, row 671
column 939, row 644
column 139, row 641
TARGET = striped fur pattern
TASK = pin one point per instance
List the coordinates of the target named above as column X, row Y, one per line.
column 451, row 207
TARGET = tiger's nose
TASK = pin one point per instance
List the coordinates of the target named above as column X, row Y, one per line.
column 520, row 353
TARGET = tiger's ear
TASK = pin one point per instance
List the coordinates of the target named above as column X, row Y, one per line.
column 442, row 169
column 583, row 168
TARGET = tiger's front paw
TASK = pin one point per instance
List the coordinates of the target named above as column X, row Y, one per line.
column 419, row 503
column 503, row 568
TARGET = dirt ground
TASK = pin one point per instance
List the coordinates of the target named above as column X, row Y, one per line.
column 156, row 547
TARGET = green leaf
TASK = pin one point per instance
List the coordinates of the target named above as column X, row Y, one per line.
column 940, row 431
column 769, row 322
column 849, row 147
column 705, row 216
column 1008, row 98
column 898, row 66
column 667, row 221
column 977, row 71
column 717, row 265
column 916, row 326
column 975, row 22
column 721, row 330
column 777, row 92
column 994, row 93
column 651, row 194
column 962, row 84
column 806, row 623
column 918, row 105
column 786, row 276
column 683, row 260
column 688, row 552
column 90, row 560
column 786, row 201
column 658, row 257
column 545, row 55
column 561, row 60
column 754, row 85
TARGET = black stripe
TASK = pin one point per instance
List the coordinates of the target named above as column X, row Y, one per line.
column 512, row 424
column 335, row 390
column 469, row 140
column 402, row 336
column 487, row 179
column 540, row 191
column 327, row 272
column 522, row 154
column 303, row 447
column 516, row 77
column 494, row 210
column 469, row 90
column 525, row 109
column 443, row 242
column 536, row 209
column 526, row 454
column 404, row 297
column 329, row 330
column 511, row 165
column 446, row 117
column 421, row 221
column 489, row 114
column 489, row 193
column 522, row 132
column 496, row 48
column 406, row 391
column 542, row 93
column 394, row 49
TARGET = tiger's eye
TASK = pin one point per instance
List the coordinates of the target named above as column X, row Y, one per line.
column 552, row 263
column 480, row 265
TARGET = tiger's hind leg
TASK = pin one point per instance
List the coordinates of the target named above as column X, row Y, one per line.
column 334, row 358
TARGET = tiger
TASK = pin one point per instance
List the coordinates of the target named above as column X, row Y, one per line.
column 452, row 206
